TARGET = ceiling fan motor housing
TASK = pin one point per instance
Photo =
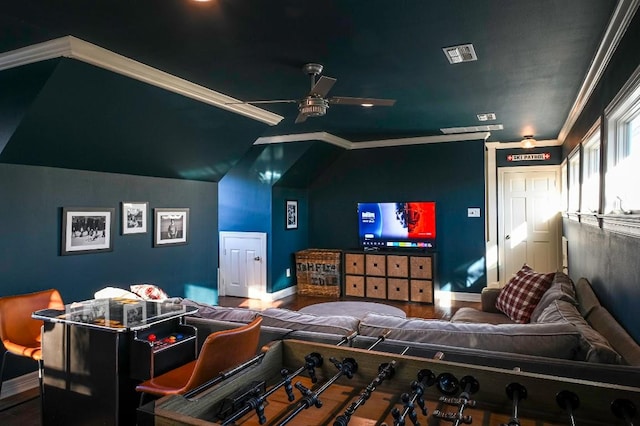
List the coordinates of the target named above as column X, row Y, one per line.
column 313, row 106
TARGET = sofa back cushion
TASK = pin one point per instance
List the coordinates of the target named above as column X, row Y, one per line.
column 235, row 315
column 334, row 324
column 602, row 321
column 562, row 288
column 587, row 299
column 559, row 340
column 520, row 296
column 593, row 346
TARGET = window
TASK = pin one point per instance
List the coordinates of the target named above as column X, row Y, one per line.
column 565, row 188
column 591, row 172
column 623, row 152
column 574, row 181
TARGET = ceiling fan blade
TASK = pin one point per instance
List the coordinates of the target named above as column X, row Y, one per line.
column 322, row 86
column 344, row 100
column 275, row 101
column 300, row 118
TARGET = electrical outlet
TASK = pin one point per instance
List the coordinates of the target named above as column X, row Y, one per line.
column 473, row 212
column 288, row 272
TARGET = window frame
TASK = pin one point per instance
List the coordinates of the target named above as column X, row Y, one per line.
column 591, row 170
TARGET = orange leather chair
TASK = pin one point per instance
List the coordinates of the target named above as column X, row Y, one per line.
column 21, row 335
column 221, row 351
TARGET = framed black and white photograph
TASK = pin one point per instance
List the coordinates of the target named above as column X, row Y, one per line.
column 134, row 217
column 134, row 313
column 87, row 230
column 171, row 227
column 291, row 214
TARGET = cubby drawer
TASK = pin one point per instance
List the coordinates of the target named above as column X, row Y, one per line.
column 376, row 264
column 421, row 267
column 422, row 291
column 397, row 289
column 354, row 263
column 397, row 266
column 354, row 285
column 377, row 287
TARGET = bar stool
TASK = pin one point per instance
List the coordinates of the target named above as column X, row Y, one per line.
column 20, row 334
column 220, row 351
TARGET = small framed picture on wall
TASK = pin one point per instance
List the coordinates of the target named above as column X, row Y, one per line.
column 291, row 214
column 86, row 230
column 134, row 217
column 171, row 227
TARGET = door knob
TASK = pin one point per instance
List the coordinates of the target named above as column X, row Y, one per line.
column 508, row 237
column 257, row 258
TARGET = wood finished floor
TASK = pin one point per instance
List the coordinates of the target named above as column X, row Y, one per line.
column 24, row 409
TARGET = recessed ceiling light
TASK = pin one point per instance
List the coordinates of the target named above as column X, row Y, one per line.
column 486, row 116
column 460, row 53
column 366, row 105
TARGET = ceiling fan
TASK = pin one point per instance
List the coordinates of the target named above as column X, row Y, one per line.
column 315, row 104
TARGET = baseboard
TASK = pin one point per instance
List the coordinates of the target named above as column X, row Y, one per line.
column 286, row 292
column 19, row 384
column 462, row 297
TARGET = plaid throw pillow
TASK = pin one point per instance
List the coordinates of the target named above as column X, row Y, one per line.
column 520, row 296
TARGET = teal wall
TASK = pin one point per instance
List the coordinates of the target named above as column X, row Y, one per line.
column 451, row 174
column 609, row 260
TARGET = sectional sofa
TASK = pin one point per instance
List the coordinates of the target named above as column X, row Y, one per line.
column 570, row 334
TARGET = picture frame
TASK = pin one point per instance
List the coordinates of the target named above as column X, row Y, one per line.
column 171, row 226
column 291, row 214
column 133, row 313
column 86, row 230
column 135, row 217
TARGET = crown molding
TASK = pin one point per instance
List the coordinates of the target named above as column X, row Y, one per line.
column 620, row 20
column 381, row 143
column 511, row 145
column 75, row 48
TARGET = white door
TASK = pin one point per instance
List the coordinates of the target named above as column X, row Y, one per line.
column 529, row 226
column 243, row 267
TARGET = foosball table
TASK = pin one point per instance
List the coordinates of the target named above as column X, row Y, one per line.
column 305, row 383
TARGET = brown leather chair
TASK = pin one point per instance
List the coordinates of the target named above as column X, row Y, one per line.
column 21, row 335
column 221, row 351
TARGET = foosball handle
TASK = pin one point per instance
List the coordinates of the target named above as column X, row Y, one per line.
column 447, row 384
column 624, row 409
column 568, row 401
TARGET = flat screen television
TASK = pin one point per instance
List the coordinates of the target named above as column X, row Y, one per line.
column 397, row 225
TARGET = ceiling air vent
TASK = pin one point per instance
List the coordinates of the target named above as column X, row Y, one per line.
column 471, row 129
column 461, row 53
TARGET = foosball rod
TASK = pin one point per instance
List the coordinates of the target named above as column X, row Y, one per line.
column 568, row 401
column 386, row 371
column 312, row 361
column 381, row 338
column 225, row 375
column 625, row 410
column 516, row 393
column 348, row 367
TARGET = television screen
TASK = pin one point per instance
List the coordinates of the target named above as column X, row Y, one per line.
column 397, row 225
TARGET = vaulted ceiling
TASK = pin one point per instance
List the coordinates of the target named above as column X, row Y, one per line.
column 533, row 58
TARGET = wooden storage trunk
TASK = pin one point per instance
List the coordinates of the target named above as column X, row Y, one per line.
column 318, row 272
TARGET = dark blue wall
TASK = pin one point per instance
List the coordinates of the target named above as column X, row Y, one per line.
column 451, row 174
column 30, row 214
column 608, row 260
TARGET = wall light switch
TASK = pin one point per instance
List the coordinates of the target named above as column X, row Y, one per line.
column 473, row 212
column 288, row 272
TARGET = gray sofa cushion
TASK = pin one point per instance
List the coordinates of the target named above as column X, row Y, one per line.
column 560, row 340
column 594, row 347
column 587, row 299
column 284, row 318
column 562, row 288
column 602, row 321
column 468, row 314
column 236, row 315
